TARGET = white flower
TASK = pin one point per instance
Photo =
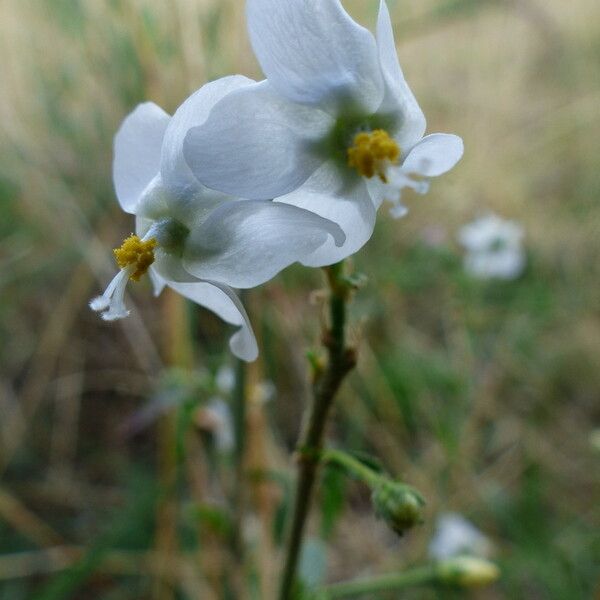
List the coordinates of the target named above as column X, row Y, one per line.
column 494, row 248
column 197, row 241
column 334, row 128
column 455, row 536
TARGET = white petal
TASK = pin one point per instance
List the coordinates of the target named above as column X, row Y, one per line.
column 434, row 155
column 314, row 53
column 224, row 302
column 137, row 149
column 398, row 96
column 346, row 203
column 256, row 144
column 192, row 113
column 386, row 45
column 158, row 283
column 378, row 191
column 247, row 242
column 189, row 204
column 170, row 268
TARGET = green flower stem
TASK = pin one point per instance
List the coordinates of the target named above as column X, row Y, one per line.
column 385, row 583
column 352, row 466
column 328, row 379
column 399, row 504
column 235, row 574
column 239, row 425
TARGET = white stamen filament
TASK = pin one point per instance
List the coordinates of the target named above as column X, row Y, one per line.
column 399, row 178
column 111, row 304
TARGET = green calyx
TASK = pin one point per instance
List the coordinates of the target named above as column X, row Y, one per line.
column 340, row 138
column 400, row 505
column 171, row 235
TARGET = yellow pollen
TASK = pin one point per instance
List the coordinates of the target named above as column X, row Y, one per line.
column 371, row 153
column 136, row 252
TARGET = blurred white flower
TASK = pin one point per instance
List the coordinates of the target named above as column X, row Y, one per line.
column 216, row 418
column 195, row 240
column 225, row 379
column 455, row 536
column 334, row 128
column 494, row 248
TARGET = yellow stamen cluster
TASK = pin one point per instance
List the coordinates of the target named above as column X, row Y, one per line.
column 372, row 152
column 136, row 252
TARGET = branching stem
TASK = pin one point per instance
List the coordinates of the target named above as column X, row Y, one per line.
column 340, row 361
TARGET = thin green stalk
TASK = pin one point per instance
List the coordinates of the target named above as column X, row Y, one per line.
column 400, row 505
column 457, row 572
column 353, row 466
column 340, row 362
column 385, row 583
column 239, row 425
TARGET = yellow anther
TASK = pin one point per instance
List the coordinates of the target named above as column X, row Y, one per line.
column 372, row 152
column 136, row 252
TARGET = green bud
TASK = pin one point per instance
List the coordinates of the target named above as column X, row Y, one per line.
column 467, row 572
column 400, row 505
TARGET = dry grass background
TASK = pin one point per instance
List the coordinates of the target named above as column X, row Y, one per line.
column 481, row 395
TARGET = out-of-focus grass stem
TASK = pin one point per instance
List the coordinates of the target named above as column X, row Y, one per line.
column 179, row 354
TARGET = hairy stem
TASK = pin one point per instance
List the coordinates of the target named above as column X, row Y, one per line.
column 340, row 362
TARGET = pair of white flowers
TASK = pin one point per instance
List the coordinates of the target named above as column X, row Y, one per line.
column 249, row 177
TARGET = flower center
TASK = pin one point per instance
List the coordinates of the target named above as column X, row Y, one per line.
column 138, row 253
column 372, row 153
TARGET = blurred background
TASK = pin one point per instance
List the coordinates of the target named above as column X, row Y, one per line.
column 116, row 469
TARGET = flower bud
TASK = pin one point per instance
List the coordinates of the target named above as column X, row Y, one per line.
column 400, row 505
column 467, row 572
